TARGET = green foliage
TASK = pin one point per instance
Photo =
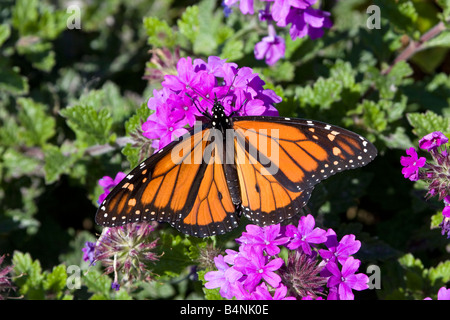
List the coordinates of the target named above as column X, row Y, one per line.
column 34, row 283
column 72, row 102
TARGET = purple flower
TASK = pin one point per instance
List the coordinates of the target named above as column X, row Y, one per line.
column 186, row 78
column 339, row 251
column 107, row 183
column 89, row 252
column 309, row 22
column 225, row 278
column 443, row 294
column 188, row 94
column 263, row 238
column 345, row 280
column 412, row 164
column 271, row 48
column 226, row 9
column 305, row 234
column 256, row 267
column 446, row 211
column 281, row 8
column 246, row 6
column 163, row 125
column 433, row 140
column 115, row 285
column 262, row 293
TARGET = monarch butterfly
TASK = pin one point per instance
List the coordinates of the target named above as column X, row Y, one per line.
column 206, row 195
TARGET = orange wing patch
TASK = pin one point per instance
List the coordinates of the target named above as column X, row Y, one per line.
column 213, row 211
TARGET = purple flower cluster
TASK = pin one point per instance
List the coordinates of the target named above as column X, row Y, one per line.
column 304, row 20
column 190, row 92
column 436, row 174
column 256, row 270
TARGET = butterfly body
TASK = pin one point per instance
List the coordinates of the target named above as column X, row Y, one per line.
column 262, row 167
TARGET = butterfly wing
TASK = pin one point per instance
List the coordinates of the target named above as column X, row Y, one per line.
column 176, row 186
column 280, row 160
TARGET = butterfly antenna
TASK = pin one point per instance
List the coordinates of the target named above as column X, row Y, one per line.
column 231, row 85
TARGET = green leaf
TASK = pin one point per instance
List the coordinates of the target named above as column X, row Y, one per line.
column 18, row 164
column 189, row 23
column 440, row 274
column 322, row 94
column 402, row 14
column 25, row 16
column 373, row 115
column 56, row 163
column 175, row 255
column 445, row 5
column 56, row 280
column 38, row 126
column 159, row 33
column 29, row 275
column 233, row 50
column 425, row 123
column 89, row 124
column 441, row 40
column 397, row 139
column 388, row 84
column 98, row 284
column 436, row 220
column 11, row 81
column 5, row 32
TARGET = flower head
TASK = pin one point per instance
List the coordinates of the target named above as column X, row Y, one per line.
column 127, row 250
column 257, row 266
column 189, row 93
column 435, row 173
column 345, row 280
column 271, row 48
column 305, row 234
column 339, row 251
column 224, row 278
column 89, row 252
column 256, row 270
column 263, row 293
column 264, row 238
column 304, row 20
column 302, row 273
column 433, row 140
column 412, row 164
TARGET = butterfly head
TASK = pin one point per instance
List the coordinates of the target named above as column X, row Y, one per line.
column 219, row 119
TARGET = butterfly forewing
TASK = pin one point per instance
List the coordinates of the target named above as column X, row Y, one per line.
column 176, row 186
